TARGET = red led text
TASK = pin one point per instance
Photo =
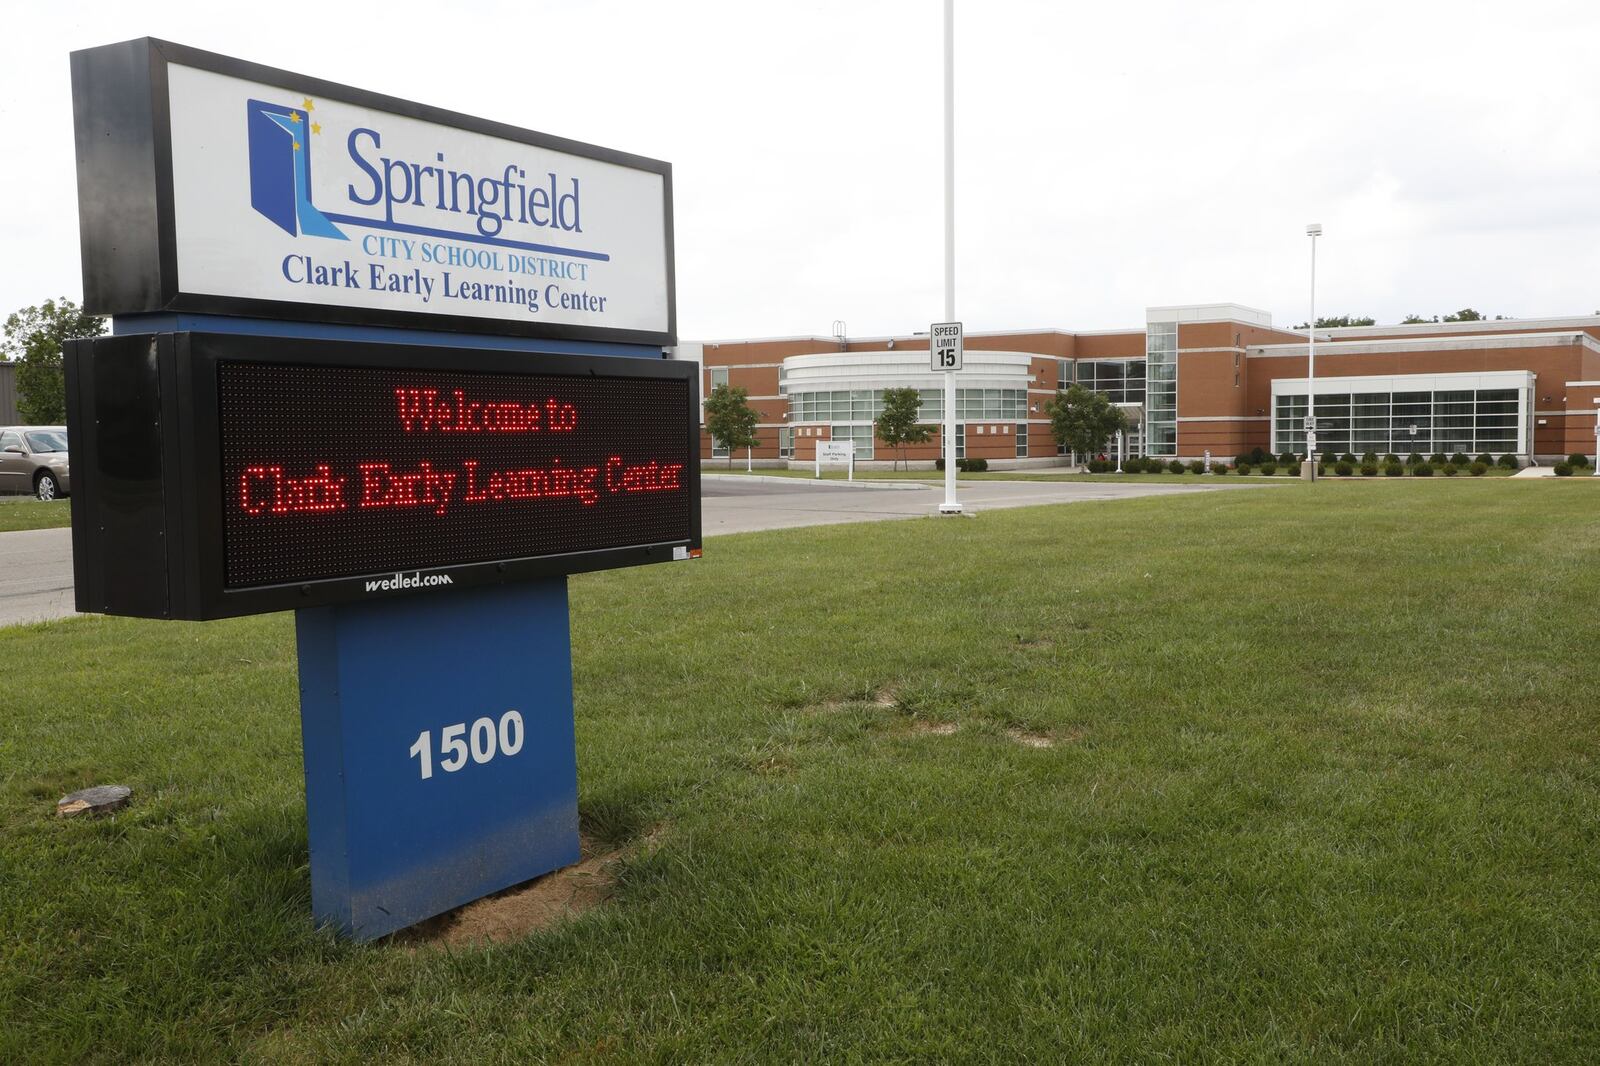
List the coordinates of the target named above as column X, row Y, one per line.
column 268, row 490
column 422, row 410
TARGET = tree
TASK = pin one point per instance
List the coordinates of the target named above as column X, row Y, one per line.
column 1466, row 314
column 1417, row 320
column 897, row 426
column 1084, row 420
column 1341, row 321
column 33, row 339
column 730, row 419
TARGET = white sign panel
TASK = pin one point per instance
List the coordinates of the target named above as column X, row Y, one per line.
column 835, row 451
column 282, row 196
column 944, row 346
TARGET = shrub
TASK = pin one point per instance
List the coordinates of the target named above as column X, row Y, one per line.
column 1197, row 467
column 1479, row 469
column 1460, row 459
column 1450, row 469
column 1288, row 459
column 1369, row 469
column 972, row 466
column 1578, row 459
column 1257, row 456
column 1509, row 461
column 1329, row 458
column 1563, row 470
column 1343, row 469
column 1393, row 470
column 1369, row 457
column 1219, row 468
column 1176, row 467
column 938, row 464
column 1243, row 468
column 1241, row 459
column 1414, row 458
column 1348, row 457
column 1391, row 458
column 1154, row 466
column 1423, row 470
column 1437, row 459
column 1268, row 469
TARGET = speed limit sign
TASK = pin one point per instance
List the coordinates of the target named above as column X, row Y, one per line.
column 944, row 346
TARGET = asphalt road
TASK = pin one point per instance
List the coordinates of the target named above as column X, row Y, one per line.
column 36, row 564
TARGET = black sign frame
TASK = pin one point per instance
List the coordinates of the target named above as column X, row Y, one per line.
column 147, row 471
column 126, row 215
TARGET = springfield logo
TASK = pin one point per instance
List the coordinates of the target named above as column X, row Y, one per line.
column 280, row 168
column 414, row 580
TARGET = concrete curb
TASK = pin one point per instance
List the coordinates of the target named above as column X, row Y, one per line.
column 865, row 483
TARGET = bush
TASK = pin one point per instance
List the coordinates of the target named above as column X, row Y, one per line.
column 1288, row 459
column 1450, row 469
column 1423, row 470
column 1241, row 459
column 1154, row 466
column 1343, row 469
column 1370, row 457
column 1393, row 470
column 1257, row 456
column 1460, row 459
column 1437, row 459
column 1479, row 469
column 1329, row 458
column 1197, row 467
column 1391, row 459
column 1485, row 458
column 1219, row 468
column 1563, row 470
column 1369, row 469
column 1578, row 459
column 1268, row 469
column 972, row 466
column 1176, row 467
column 1243, row 468
column 1509, row 461
column 1348, row 457
column 1414, row 458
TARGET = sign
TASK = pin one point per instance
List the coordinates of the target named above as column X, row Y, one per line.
column 944, row 346
column 836, row 451
column 1311, row 424
column 222, row 475
column 207, row 184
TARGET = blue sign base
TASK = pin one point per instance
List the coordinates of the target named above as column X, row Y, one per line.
column 440, row 758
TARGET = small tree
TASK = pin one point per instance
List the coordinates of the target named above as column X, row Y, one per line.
column 33, row 338
column 897, row 426
column 1083, row 420
column 730, row 419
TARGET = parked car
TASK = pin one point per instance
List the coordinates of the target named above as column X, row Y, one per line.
column 34, row 459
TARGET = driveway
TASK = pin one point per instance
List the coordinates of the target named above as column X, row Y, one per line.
column 36, row 564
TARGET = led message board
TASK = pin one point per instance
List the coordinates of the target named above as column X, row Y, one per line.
column 222, row 475
column 209, row 184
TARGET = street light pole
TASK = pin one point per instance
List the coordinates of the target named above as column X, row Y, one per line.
column 1309, row 469
column 951, row 505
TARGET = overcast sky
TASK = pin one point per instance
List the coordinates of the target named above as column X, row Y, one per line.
column 1110, row 157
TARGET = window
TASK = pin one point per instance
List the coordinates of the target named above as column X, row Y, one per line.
column 1161, row 388
column 719, row 376
column 1456, row 420
column 862, row 435
column 785, row 442
column 46, row 440
column 1022, row 440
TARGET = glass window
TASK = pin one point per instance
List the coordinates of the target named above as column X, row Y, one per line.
column 785, row 442
column 719, row 376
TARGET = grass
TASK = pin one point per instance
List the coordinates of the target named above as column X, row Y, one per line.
column 25, row 512
column 1323, row 786
column 1052, row 474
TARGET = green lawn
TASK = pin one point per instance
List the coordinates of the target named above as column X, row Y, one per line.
column 1323, row 785
column 1050, row 474
column 25, row 512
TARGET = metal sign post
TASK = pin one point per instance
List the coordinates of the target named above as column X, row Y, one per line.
column 945, row 352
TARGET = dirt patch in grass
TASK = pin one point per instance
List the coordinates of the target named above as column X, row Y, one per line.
column 934, row 729
column 535, row 905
